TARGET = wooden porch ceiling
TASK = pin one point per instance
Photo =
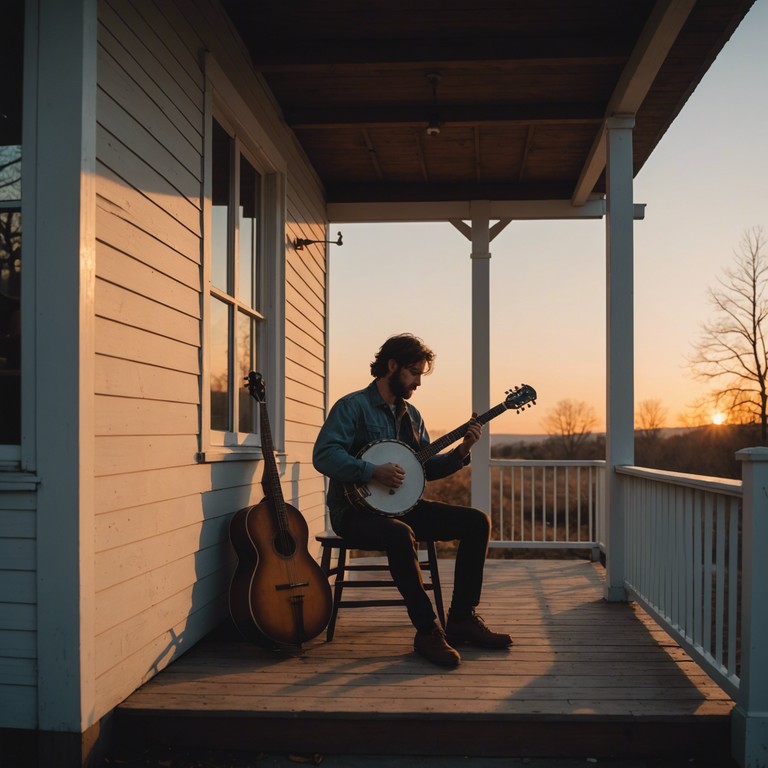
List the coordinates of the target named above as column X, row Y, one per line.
column 521, row 100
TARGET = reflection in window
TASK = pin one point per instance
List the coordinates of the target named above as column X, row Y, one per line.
column 219, row 352
column 250, row 189
column 220, row 206
column 246, row 362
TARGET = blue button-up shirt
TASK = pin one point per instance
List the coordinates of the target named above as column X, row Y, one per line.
column 361, row 418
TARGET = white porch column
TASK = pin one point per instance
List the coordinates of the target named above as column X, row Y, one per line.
column 64, row 245
column 481, row 349
column 749, row 726
column 620, row 446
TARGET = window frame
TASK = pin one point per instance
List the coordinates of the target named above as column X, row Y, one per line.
column 21, row 456
column 224, row 104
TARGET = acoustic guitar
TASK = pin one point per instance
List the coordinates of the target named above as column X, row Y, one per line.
column 389, row 502
column 279, row 595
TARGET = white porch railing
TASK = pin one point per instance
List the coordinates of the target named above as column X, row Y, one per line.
column 682, row 549
column 695, row 558
column 547, row 504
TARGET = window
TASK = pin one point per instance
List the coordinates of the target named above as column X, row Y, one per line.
column 11, row 66
column 236, row 290
column 244, row 271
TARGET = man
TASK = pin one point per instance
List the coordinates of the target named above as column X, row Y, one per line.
column 381, row 411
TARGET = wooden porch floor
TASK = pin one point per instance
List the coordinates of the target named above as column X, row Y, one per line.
column 584, row 678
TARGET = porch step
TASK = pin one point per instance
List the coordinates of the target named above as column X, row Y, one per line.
column 525, row 736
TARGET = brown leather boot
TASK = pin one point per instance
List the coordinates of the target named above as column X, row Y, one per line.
column 474, row 631
column 431, row 645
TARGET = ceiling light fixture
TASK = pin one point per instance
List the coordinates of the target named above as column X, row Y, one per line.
column 433, row 127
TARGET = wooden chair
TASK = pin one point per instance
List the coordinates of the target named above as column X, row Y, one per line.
column 330, row 541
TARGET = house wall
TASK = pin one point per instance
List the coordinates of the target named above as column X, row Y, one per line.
column 162, row 554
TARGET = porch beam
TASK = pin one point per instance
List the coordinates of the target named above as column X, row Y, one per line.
column 523, row 210
column 353, row 56
column 620, row 446
column 653, row 45
column 487, row 115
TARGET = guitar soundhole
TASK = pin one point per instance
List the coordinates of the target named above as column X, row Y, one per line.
column 285, row 544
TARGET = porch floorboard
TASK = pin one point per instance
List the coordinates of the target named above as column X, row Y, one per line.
column 584, row 678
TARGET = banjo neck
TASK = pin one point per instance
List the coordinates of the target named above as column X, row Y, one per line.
column 451, row 437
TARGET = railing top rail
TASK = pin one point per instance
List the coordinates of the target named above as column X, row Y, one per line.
column 548, row 462
column 720, row 485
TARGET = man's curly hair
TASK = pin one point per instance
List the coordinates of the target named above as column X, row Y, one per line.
column 406, row 349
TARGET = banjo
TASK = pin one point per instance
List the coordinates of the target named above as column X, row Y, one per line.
column 394, row 502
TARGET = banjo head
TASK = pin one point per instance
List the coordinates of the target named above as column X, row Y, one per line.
column 392, row 502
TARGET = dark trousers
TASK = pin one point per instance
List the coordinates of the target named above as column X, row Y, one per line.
column 398, row 537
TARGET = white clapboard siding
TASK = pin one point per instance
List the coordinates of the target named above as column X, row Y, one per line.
column 123, row 378
column 175, row 639
column 297, row 335
column 116, row 303
column 141, row 453
column 163, row 557
column 114, row 338
column 119, row 268
column 170, row 82
column 123, row 416
column 126, row 236
column 144, row 209
column 18, row 611
column 308, row 359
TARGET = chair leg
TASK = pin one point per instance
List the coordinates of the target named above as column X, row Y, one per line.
column 436, row 588
column 337, row 590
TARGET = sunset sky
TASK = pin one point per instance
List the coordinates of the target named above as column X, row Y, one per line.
column 704, row 186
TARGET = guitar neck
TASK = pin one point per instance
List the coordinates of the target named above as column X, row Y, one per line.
column 451, row 437
column 270, row 481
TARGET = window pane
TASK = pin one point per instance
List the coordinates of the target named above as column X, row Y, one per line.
column 246, row 362
column 10, row 327
column 10, row 171
column 221, row 194
column 250, row 203
column 220, row 414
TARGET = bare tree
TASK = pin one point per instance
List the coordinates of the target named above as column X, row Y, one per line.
column 732, row 351
column 650, row 418
column 571, row 422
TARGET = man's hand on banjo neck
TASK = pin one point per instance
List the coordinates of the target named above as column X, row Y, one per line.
column 393, row 475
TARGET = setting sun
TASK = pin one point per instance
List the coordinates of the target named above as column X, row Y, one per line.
column 718, row 418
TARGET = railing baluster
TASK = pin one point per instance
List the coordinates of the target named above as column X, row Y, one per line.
column 719, row 581
column 708, row 535
column 733, row 581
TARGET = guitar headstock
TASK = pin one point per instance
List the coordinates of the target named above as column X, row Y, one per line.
column 521, row 396
column 255, row 384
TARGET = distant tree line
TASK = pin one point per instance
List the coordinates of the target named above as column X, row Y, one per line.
column 708, row 450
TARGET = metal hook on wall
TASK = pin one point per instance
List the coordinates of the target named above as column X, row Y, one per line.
column 300, row 242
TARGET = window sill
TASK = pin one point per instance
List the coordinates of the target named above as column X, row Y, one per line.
column 18, row 481
column 221, row 454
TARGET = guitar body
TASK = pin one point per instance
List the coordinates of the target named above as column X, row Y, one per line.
column 279, row 594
